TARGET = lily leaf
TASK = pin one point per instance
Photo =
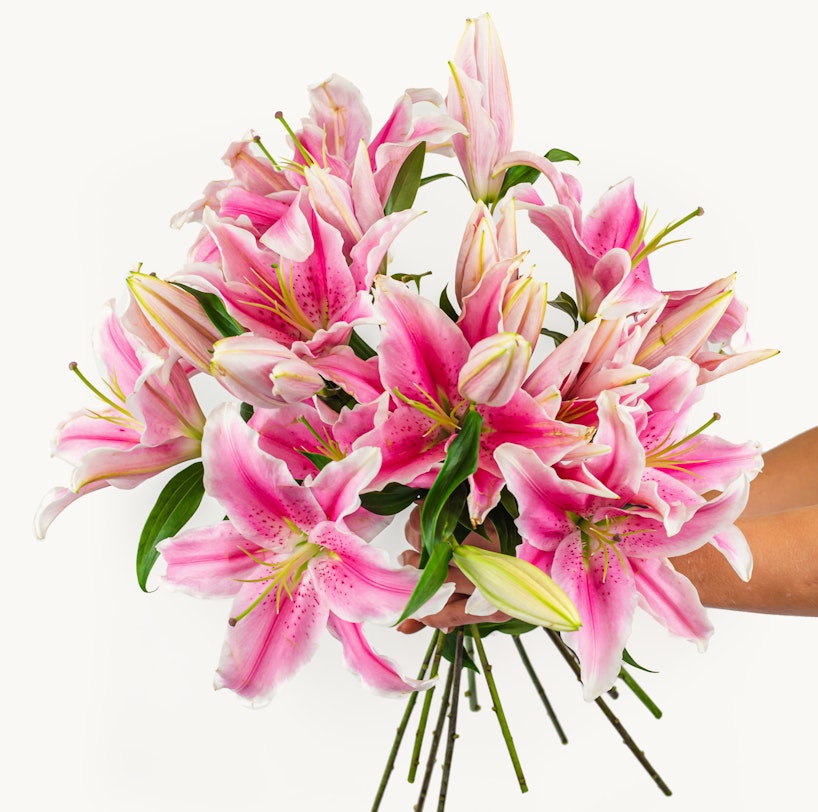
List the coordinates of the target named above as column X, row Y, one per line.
column 527, row 174
column 626, row 658
column 507, row 532
column 214, row 307
column 553, row 334
column 432, row 178
column 411, row 277
column 175, row 506
column 360, row 347
column 432, row 577
column 446, row 306
column 407, row 181
column 567, row 304
column 556, row 155
column 448, row 652
column 390, row 500
column 513, row 626
column 318, row 460
column 459, row 465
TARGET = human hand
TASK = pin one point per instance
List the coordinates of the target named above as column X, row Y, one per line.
column 454, row 612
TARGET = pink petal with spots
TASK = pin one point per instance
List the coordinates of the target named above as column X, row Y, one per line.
column 271, row 643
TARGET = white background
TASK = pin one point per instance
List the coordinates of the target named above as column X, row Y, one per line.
column 115, row 118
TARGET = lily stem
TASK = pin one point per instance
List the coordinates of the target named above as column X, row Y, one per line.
column 457, row 668
column 639, row 691
column 410, row 704
column 497, row 707
column 437, row 640
column 471, row 680
column 436, row 734
column 539, row 689
column 639, row 755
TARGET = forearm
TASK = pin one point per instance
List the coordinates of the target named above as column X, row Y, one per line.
column 785, row 566
column 789, row 478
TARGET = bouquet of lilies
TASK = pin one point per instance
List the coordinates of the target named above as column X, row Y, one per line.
column 555, row 472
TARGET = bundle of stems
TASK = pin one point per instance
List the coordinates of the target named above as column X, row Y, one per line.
column 458, row 648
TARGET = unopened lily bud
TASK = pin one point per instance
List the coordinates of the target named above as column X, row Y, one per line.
column 517, row 588
column 524, row 308
column 177, row 316
column 495, row 369
column 478, row 252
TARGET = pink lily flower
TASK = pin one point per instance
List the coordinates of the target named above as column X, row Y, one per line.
column 287, row 556
column 148, row 420
column 606, row 526
column 479, row 97
column 422, row 353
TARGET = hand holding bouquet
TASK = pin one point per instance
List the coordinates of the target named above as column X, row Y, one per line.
column 349, row 397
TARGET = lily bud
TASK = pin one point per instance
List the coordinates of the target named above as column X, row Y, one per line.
column 480, row 98
column 524, row 308
column 517, row 588
column 177, row 316
column 478, row 252
column 495, row 369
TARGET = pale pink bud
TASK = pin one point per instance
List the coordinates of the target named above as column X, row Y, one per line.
column 177, row 316
column 524, row 308
column 478, row 252
column 495, row 369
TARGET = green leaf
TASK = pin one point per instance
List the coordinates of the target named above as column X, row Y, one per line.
column 407, row 181
column 447, row 652
column 411, row 277
column 527, row 174
column 246, row 410
column 432, row 577
column 626, row 658
column 390, row 500
column 176, row 504
column 215, row 310
column 567, row 304
column 459, row 465
column 556, row 155
column 320, row 461
column 509, row 502
column 553, row 334
column 360, row 347
column 433, row 178
column 507, row 533
column 513, row 626
column 446, row 306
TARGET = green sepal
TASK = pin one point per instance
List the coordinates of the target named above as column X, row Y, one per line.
column 446, row 306
column 460, row 463
column 432, row 577
column 448, row 651
column 407, row 181
column 175, row 506
column 215, row 310
column 391, row 499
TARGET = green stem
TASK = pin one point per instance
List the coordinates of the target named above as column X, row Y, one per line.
column 457, row 667
column 568, row 656
column 498, row 709
column 410, row 704
column 640, row 693
column 438, row 639
column 471, row 680
column 436, row 734
column 539, row 689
